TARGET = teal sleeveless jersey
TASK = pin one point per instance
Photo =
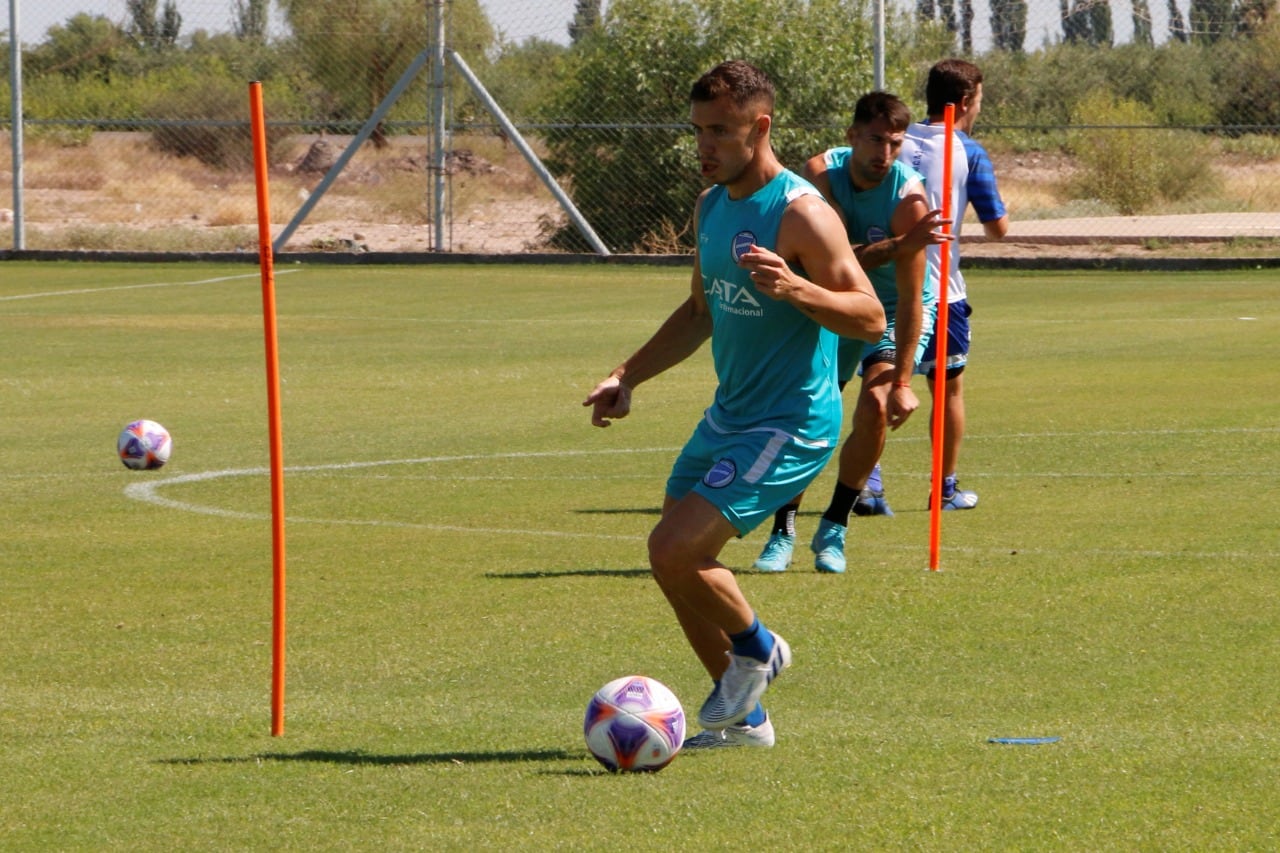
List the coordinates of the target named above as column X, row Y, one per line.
column 867, row 216
column 776, row 366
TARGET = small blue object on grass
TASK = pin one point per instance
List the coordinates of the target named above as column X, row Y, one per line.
column 1023, row 741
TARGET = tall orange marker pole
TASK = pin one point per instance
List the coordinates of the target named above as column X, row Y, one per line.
column 940, row 338
column 266, row 261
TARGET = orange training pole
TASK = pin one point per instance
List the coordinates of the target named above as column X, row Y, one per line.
column 266, row 261
column 940, row 337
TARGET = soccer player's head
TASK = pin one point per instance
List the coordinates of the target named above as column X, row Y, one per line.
column 876, row 136
column 731, row 110
column 953, row 81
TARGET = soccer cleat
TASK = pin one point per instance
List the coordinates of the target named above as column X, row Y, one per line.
column 960, row 499
column 871, row 503
column 828, row 545
column 776, row 555
column 739, row 734
column 741, row 686
column 954, row 497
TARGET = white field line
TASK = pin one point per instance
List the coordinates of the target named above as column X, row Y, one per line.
column 148, row 492
column 94, row 290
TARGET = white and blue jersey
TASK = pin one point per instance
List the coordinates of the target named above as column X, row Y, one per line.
column 972, row 182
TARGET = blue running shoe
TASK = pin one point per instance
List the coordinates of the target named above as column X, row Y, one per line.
column 776, row 555
column 960, row 499
column 741, row 687
column 871, row 503
column 828, row 545
column 953, row 497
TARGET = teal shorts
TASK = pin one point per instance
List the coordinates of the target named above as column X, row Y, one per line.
column 853, row 355
column 748, row 476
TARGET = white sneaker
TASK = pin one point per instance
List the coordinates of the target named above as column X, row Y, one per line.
column 739, row 734
column 741, row 686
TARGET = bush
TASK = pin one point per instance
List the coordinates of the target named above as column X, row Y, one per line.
column 1128, row 162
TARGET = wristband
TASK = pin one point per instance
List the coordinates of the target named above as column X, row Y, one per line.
column 902, row 385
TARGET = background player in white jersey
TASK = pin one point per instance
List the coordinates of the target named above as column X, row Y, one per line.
column 774, row 284
column 958, row 82
column 955, row 81
column 876, row 196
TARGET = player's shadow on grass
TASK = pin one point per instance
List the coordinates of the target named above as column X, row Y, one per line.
column 541, row 574
column 360, row 757
column 642, row 510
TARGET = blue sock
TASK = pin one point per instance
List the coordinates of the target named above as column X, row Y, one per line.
column 757, row 716
column 755, row 642
column 874, row 483
column 948, row 486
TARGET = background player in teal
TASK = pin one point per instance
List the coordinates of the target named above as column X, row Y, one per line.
column 877, row 197
column 774, row 281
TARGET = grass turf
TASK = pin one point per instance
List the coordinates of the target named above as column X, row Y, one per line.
column 466, row 566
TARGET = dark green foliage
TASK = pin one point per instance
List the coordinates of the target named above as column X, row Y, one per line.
column 634, row 74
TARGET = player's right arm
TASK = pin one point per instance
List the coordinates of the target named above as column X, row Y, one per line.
column 677, row 338
column 922, row 234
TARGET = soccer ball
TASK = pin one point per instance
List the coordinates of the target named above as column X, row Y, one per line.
column 634, row 723
column 144, row 445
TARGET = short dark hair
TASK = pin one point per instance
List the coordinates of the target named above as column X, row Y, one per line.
column 950, row 82
column 741, row 81
column 874, row 105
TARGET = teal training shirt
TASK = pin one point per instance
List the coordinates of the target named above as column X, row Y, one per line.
column 775, row 364
column 867, row 217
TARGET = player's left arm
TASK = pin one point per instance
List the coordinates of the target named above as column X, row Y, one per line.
column 984, row 193
column 834, row 289
column 909, row 272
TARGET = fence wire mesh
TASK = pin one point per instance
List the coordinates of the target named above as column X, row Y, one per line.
column 1107, row 120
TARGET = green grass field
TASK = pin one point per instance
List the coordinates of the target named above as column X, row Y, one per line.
column 466, row 565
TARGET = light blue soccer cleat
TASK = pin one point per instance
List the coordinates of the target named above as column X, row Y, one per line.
column 738, row 734
column 828, row 545
column 741, row 687
column 776, row 555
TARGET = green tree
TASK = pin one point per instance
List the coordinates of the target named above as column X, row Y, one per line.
column 153, row 30
column 356, row 51
column 250, row 20
column 1177, row 25
column 86, row 46
column 586, row 17
column 619, row 134
column 1211, row 20
column 1009, row 24
column 1142, row 23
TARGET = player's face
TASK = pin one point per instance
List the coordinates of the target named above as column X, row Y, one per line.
column 875, row 147
column 727, row 138
column 972, row 106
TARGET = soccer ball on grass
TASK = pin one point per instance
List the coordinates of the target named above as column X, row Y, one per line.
column 144, row 445
column 634, row 723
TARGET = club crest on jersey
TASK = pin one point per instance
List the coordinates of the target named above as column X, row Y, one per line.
column 721, row 474
column 875, row 234
column 742, row 242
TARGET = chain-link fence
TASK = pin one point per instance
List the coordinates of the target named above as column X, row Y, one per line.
column 1107, row 121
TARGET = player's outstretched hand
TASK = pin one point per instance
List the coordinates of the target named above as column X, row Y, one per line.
column 609, row 401
column 924, row 233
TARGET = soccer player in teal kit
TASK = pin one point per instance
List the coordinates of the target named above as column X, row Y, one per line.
column 774, row 285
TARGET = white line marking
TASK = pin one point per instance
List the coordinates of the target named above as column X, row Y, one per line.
column 88, row 290
column 147, row 492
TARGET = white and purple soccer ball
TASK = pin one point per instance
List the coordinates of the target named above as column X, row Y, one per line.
column 634, row 723
column 144, row 445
